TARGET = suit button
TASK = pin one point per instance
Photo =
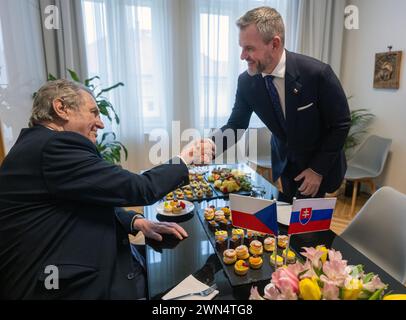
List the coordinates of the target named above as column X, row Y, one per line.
column 130, row 276
column 125, row 242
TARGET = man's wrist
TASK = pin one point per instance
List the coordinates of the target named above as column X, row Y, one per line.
column 321, row 176
column 135, row 217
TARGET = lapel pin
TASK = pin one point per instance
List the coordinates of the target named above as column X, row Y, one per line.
column 295, row 91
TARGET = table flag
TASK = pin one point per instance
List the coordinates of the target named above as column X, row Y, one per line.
column 254, row 214
column 309, row 215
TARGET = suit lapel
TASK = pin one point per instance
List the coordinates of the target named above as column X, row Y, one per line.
column 293, row 89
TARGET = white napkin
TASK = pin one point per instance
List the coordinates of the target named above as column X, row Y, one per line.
column 189, row 285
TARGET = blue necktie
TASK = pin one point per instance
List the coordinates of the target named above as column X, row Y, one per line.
column 276, row 103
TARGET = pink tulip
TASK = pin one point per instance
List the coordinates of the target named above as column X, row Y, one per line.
column 284, row 278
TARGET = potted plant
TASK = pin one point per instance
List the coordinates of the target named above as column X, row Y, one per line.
column 109, row 147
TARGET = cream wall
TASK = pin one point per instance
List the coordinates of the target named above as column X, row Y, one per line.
column 381, row 23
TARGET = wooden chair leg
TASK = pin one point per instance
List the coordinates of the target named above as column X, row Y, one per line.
column 354, row 198
column 373, row 186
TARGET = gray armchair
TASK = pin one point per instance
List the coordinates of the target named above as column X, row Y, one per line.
column 366, row 164
column 378, row 231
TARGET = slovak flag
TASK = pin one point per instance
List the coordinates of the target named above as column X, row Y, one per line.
column 309, row 215
column 254, row 214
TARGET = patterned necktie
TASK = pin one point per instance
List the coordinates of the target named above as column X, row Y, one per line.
column 276, row 103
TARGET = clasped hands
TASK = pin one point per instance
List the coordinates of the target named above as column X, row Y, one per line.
column 199, row 152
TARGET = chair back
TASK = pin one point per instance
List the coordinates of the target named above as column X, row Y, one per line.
column 372, row 155
column 378, row 231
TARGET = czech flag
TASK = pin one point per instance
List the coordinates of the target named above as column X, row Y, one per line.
column 254, row 214
column 309, row 215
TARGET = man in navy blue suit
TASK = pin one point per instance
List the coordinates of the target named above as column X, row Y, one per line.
column 61, row 205
column 299, row 99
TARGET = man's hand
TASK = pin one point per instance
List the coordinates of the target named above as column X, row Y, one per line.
column 153, row 230
column 311, row 182
column 199, row 151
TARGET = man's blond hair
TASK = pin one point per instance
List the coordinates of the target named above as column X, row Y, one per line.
column 267, row 20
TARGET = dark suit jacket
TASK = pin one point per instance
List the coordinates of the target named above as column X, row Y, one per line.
column 58, row 206
column 317, row 115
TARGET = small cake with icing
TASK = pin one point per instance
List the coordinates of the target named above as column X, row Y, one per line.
column 279, row 260
column 229, row 256
column 209, row 214
column 219, row 215
column 269, row 244
column 283, row 241
column 242, row 252
column 291, row 256
column 167, row 207
column 255, row 262
column 226, row 211
column 256, row 247
column 238, row 232
column 241, row 267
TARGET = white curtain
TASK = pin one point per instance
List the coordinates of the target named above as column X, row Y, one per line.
column 320, row 30
column 128, row 41
column 216, row 55
column 22, row 64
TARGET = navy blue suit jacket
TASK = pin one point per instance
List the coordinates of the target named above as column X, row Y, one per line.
column 60, row 205
column 317, row 116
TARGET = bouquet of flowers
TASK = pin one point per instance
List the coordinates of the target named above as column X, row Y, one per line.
column 324, row 275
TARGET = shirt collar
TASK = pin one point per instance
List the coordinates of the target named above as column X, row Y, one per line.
column 280, row 69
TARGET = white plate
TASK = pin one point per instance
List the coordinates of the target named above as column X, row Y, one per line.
column 284, row 212
column 189, row 206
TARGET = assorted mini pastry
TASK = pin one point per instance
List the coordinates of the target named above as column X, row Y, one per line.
column 226, row 211
column 221, row 244
column 235, row 241
column 174, row 206
column 229, row 256
column 269, row 244
column 255, row 262
column 283, row 241
column 279, row 260
column 219, row 215
column 225, row 224
column 242, row 252
column 291, row 258
column 241, row 267
column 209, row 214
column 213, row 225
column 256, row 247
column 221, row 234
column 237, row 231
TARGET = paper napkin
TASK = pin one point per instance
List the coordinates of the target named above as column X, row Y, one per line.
column 189, row 285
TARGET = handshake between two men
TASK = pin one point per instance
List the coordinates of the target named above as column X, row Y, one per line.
column 198, row 152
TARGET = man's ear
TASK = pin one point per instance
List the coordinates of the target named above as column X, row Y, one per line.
column 60, row 109
column 276, row 42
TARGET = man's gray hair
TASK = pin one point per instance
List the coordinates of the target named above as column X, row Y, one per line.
column 69, row 92
column 267, row 20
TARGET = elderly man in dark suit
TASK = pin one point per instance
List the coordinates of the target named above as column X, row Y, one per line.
column 60, row 205
column 299, row 99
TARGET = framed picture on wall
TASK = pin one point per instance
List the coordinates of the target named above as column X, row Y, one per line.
column 387, row 69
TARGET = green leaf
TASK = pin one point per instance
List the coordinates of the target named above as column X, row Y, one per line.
column 368, row 277
column 88, row 81
column 376, row 295
column 110, row 88
column 51, row 77
column 74, row 75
